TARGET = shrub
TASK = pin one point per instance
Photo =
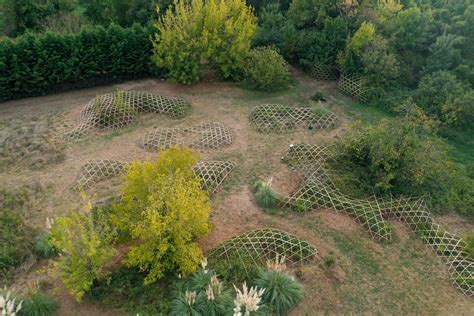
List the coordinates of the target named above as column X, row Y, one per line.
column 16, row 238
column 265, row 69
column 401, row 156
column 37, row 64
column 470, row 245
column 281, row 293
column 437, row 89
column 213, row 32
column 164, row 208
column 238, row 268
column 318, row 96
column 201, row 294
column 38, row 304
column 124, row 289
column 459, row 112
column 265, row 196
column 329, row 260
column 85, row 244
column 43, row 246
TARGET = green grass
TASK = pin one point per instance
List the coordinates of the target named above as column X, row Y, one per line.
column 358, row 254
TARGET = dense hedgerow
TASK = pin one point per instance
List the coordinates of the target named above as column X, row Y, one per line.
column 35, row 64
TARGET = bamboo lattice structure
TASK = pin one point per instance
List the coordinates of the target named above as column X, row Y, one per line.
column 118, row 109
column 318, row 191
column 354, row 86
column 206, row 136
column 261, row 245
column 324, row 72
column 212, row 173
column 279, row 118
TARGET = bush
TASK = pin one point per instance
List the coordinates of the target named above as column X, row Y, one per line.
column 43, row 246
column 470, row 245
column 124, row 289
column 35, row 64
column 265, row 69
column 459, row 112
column 439, row 90
column 38, row 304
column 401, row 156
column 265, row 196
column 202, row 294
column 282, row 291
column 16, row 239
column 85, row 244
column 213, row 32
column 165, row 210
column 237, row 268
column 318, row 96
column 329, row 260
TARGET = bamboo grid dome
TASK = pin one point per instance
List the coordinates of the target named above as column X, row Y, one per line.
column 324, row 72
column 354, row 86
column 262, row 245
column 205, row 136
column 281, row 118
column 118, row 109
column 212, row 173
column 318, row 191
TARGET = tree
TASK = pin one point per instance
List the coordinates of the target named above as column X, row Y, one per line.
column 445, row 53
column 437, row 89
column 84, row 241
column 165, row 210
column 275, row 29
column 368, row 54
column 27, row 15
column 459, row 112
column 394, row 156
column 215, row 32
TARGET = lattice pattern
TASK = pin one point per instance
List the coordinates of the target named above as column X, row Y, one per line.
column 98, row 170
column 318, row 191
column 118, row 109
column 324, row 72
column 353, row 86
column 212, row 173
column 261, row 245
column 280, row 118
column 206, row 136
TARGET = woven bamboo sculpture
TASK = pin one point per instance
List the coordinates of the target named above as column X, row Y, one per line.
column 318, row 191
column 206, row 136
column 262, row 245
column 324, row 72
column 353, row 86
column 212, row 173
column 279, row 118
column 118, row 109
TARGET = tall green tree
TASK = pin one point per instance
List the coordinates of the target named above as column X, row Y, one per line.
column 214, row 32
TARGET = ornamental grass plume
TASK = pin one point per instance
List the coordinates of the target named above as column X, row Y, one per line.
column 278, row 264
column 190, row 297
column 8, row 306
column 247, row 300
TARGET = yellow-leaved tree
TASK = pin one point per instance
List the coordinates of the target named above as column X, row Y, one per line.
column 196, row 32
column 84, row 240
column 165, row 210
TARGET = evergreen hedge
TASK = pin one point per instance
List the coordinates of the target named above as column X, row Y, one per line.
column 35, row 64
